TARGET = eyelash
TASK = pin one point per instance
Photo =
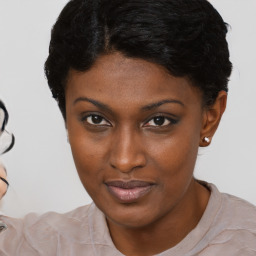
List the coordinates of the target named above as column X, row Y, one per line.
column 165, row 118
column 171, row 121
column 85, row 119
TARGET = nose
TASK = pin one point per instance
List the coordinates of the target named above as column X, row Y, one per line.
column 127, row 151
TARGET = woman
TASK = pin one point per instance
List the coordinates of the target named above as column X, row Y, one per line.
column 141, row 85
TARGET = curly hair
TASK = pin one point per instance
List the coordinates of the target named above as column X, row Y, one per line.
column 187, row 37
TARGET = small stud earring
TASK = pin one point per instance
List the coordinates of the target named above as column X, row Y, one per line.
column 206, row 139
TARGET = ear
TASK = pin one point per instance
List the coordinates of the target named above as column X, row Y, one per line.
column 211, row 119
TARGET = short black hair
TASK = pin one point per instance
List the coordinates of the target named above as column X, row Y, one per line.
column 187, row 37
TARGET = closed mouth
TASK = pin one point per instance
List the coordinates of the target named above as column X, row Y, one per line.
column 129, row 191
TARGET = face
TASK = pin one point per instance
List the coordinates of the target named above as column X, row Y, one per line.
column 134, row 132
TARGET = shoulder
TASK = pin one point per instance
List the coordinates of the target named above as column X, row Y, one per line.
column 64, row 225
column 79, row 215
column 36, row 233
column 233, row 231
column 52, row 218
column 230, row 212
column 237, row 213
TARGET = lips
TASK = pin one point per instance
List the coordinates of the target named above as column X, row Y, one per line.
column 128, row 192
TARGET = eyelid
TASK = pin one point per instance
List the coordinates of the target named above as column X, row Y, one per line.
column 84, row 116
column 173, row 120
column 162, row 125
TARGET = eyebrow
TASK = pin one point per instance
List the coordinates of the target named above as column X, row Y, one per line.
column 144, row 108
column 94, row 102
column 160, row 103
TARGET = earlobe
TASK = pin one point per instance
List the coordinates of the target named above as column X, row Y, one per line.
column 211, row 119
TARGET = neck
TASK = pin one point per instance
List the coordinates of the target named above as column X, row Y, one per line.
column 165, row 232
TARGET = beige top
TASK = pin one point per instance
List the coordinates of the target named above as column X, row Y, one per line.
column 227, row 228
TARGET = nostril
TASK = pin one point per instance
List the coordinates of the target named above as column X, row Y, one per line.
column 128, row 163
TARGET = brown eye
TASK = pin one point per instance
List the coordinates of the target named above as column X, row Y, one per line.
column 159, row 121
column 96, row 120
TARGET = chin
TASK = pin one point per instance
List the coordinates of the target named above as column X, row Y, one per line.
column 131, row 215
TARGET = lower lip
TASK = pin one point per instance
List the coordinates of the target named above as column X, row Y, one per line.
column 129, row 195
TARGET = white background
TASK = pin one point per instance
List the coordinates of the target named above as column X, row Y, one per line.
column 40, row 167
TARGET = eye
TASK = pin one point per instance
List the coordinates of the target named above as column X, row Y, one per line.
column 160, row 121
column 96, row 120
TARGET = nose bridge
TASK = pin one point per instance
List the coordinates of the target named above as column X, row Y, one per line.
column 127, row 152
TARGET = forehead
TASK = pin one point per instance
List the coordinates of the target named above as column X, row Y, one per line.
column 115, row 77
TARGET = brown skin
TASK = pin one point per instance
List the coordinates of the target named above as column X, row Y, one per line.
column 128, row 144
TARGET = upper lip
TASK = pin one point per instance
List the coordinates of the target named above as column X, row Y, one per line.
column 128, row 184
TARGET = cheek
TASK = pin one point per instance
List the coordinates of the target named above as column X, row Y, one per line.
column 174, row 170
column 85, row 156
column 175, row 157
column 89, row 153
column 81, row 146
column 87, row 165
column 175, row 150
